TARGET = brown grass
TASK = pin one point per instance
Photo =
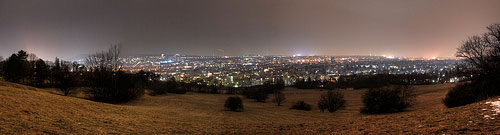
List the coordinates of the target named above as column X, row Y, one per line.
column 27, row 110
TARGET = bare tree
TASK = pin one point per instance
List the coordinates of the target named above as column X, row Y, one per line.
column 482, row 63
column 106, row 80
column 408, row 94
column 279, row 97
column 109, row 60
column 482, row 53
column 32, row 57
column 65, row 80
column 332, row 101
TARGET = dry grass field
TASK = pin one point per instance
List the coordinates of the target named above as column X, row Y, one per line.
column 27, row 110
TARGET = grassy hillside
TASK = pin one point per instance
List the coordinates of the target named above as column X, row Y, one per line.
column 27, row 110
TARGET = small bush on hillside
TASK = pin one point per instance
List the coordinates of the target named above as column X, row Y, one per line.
column 234, row 104
column 462, row 94
column 388, row 99
column 331, row 101
column 301, row 105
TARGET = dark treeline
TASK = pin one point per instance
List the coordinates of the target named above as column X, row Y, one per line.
column 380, row 80
column 27, row 69
column 307, row 84
column 261, row 92
column 103, row 76
column 171, row 85
column 369, row 81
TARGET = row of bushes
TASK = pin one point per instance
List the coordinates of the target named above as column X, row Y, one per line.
column 27, row 69
column 387, row 99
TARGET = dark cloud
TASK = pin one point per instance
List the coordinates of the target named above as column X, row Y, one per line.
column 67, row 28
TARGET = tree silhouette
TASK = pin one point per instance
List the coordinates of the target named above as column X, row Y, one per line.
column 1, row 65
column 279, row 96
column 65, row 80
column 16, row 67
column 106, row 80
column 41, row 72
column 481, row 54
column 332, row 100
column 482, row 58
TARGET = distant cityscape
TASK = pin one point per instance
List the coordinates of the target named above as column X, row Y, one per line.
column 245, row 71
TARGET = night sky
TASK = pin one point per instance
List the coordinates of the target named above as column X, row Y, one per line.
column 415, row 28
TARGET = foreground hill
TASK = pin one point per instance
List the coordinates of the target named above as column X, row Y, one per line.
column 27, row 110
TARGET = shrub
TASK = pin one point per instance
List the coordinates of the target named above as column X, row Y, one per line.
column 388, row 99
column 331, row 101
column 462, row 94
column 301, row 105
column 234, row 104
